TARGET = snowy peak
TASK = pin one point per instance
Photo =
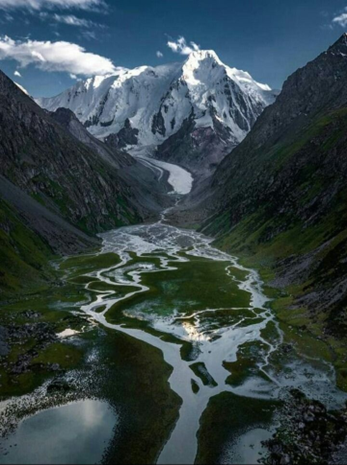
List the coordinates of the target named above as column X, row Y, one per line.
column 204, row 55
column 147, row 105
column 205, row 65
column 205, row 58
column 202, row 66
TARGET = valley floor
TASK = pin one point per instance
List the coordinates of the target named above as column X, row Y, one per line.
column 158, row 348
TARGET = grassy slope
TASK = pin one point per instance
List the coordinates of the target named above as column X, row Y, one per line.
column 266, row 239
column 24, row 256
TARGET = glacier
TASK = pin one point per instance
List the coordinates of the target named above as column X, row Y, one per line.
column 156, row 101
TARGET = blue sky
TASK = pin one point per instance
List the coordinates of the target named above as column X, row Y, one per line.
column 50, row 42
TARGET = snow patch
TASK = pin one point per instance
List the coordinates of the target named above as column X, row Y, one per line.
column 22, row 88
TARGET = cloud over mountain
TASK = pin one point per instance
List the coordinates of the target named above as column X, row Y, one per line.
column 341, row 20
column 55, row 56
column 180, row 46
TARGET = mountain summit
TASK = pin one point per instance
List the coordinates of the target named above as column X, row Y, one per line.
column 340, row 45
column 146, row 106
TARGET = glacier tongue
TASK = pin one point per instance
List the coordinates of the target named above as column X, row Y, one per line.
column 179, row 179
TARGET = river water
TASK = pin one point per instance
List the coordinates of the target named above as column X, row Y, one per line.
column 210, row 318
column 74, row 433
column 179, row 285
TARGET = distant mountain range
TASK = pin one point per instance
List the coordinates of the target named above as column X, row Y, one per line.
column 191, row 113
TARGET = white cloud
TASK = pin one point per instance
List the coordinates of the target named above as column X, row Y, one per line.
column 17, row 73
column 38, row 4
column 159, row 54
column 69, row 20
column 55, row 56
column 341, row 20
column 89, row 35
column 181, row 46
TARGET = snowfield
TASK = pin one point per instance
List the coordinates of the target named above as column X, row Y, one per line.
column 158, row 100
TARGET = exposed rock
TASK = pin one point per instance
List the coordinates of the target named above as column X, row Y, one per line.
column 308, row 433
column 59, row 385
column 199, row 150
column 126, row 136
column 31, row 314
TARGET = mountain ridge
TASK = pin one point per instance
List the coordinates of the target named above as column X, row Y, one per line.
column 147, row 106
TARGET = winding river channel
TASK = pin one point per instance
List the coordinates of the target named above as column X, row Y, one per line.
column 159, row 250
column 180, row 285
column 177, row 284
column 210, row 318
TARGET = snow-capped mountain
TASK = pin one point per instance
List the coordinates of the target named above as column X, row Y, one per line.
column 146, row 106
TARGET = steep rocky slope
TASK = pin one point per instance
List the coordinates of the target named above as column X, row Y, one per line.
column 148, row 192
column 279, row 200
column 38, row 155
column 57, row 181
column 30, row 235
column 201, row 108
column 112, row 156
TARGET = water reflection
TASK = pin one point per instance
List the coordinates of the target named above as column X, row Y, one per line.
column 75, row 433
column 247, row 449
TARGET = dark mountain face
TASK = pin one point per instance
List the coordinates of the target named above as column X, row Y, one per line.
column 280, row 196
column 56, row 180
column 76, row 181
column 112, row 156
column 199, row 150
column 311, row 97
column 314, row 90
column 146, row 194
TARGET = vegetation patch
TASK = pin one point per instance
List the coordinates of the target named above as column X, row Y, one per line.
column 225, row 418
column 200, row 370
column 249, row 356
